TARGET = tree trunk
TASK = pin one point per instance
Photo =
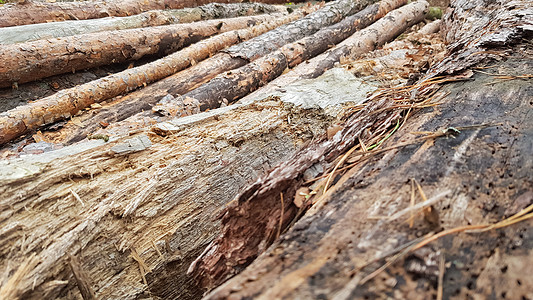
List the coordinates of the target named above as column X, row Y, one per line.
column 35, row 60
column 136, row 211
column 353, row 224
column 68, row 102
column 32, row 12
column 33, row 32
column 231, row 58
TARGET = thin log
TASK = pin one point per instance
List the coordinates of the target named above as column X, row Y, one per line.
column 32, row 12
column 30, row 61
column 256, row 74
column 231, row 58
column 65, row 103
column 145, row 200
column 359, row 43
column 33, row 32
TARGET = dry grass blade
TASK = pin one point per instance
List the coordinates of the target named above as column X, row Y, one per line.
column 442, row 268
column 412, row 218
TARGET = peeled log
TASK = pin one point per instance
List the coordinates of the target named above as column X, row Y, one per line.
column 231, row 58
column 256, row 74
column 35, row 60
column 34, row 12
column 116, row 207
column 33, row 32
column 66, row 103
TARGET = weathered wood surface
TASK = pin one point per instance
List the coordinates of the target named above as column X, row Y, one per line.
column 29, row 12
column 68, row 102
column 486, row 172
column 33, row 32
column 152, row 207
column 324, row 254
column 231, row 58
column 30, row 61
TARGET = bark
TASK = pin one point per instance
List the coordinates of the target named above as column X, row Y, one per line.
column 231, row 58
column 68, row 102
column 142, row 201
column 33, row 32
column 359, row 43
column 336, row 240
column 35, row 60
column 32, row 12
column 256, row 74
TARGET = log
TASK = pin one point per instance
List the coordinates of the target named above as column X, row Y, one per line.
column 30, row 12
column 25, row 62
column 359, row 43
column 231, row 58
column 355, row 224
column 33, row 32
column 137, row 210
column 68, row 102
column 329, row 252
column 256, row 74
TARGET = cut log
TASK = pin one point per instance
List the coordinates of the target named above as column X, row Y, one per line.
column 231, row 58
column 68, row 102
column 353, row 224
column 359, row 43
column 139, row 208
column 30, row 61
column 33, row 12
column 33, row 32
column 256, row 74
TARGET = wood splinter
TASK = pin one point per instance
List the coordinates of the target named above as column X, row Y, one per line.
column 82, row 279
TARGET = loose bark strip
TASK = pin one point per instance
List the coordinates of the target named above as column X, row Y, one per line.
column 32, row 13
column 231, row 58
column 35, row 60
column 256, row 74
column 159, row 200
column 361, row 42
column 68, row 102
column 33, row 32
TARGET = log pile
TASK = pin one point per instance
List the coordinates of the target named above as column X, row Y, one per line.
column 267, row 152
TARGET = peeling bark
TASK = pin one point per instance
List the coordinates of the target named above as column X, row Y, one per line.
column 34, row 60
column 32, row 12
column 66, row 103
column 33, row 32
